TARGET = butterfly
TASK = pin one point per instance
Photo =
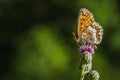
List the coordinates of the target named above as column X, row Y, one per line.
column 88, row 30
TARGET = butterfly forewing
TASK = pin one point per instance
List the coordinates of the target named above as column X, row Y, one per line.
column 85, row 19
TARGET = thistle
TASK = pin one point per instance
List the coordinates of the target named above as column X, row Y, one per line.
column 85, row 59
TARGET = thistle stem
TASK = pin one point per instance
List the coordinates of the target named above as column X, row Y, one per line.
column 82, row 74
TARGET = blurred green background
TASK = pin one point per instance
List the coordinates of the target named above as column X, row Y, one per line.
column 36, row 41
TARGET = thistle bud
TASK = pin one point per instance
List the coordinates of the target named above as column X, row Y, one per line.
column 92, row 75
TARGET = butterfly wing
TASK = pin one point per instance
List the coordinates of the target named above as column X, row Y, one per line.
column 98, row 34
column 93, row 34
column 88, row 31
column 85, row 19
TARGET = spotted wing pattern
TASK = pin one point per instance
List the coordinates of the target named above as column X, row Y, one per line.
column 84, row 20
column 88, row 30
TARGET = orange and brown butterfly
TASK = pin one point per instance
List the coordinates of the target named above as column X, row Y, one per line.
column 88, row 31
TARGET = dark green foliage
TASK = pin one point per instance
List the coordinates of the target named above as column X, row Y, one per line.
column 36, row 41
